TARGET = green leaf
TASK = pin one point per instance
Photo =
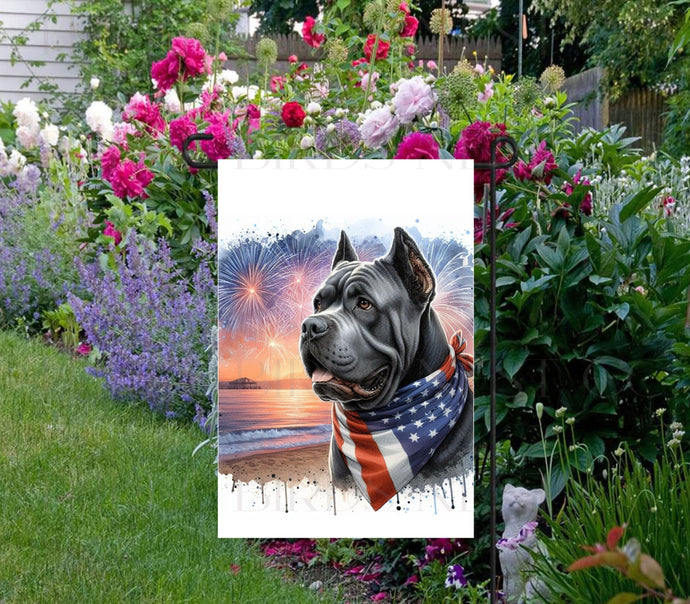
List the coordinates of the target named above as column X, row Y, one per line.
column 638, row 202
column 615, row 363
column 625, row 598
column 600, row 378
column 514, row 359
column 598, row 279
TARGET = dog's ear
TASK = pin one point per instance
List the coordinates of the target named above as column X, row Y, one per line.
column 408, row 262
column 345, row 251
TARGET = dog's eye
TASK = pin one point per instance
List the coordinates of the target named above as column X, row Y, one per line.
column 317, row 305
column 364, row 304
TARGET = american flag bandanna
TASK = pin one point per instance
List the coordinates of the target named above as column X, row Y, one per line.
column 385, row 448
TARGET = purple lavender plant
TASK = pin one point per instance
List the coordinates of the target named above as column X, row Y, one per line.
column 36, row 262
column 152, row 326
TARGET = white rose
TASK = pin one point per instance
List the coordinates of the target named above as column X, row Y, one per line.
column 313, row 108
column 50, row 135
column 94, row 83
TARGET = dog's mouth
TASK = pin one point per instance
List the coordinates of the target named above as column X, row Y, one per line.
column 323, row 381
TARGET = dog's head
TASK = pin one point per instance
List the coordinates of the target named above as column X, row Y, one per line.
column 365, row 330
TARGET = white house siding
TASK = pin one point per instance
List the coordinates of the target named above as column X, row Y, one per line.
column 46, row 44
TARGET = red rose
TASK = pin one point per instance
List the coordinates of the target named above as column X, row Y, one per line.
column 293, row 115
column 309, row 35
column 381, row 49
column 410, row 27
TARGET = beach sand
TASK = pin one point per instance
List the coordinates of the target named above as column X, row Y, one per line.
column 290, row 465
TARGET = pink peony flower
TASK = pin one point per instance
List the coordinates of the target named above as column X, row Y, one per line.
column 417, row 145
column 414, row 99
column 111, row 231
column 121, row 130
column 483, row 97
column 404, row 8
column 379, row 597
column 479, row 68
column 83, row 349
column 293, row 58
column 475, row 143
column 277, row 83
column 309, row 35
column 110, row 159
column 130, row 179
column 381, row 49
column 409, row 27
column 141, row 109
column 180, row 129
column 431, row 65
column 378, row 127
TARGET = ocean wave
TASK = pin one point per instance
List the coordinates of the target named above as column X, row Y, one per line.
column 245, row 441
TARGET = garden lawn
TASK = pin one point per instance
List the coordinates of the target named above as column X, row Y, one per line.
column 102, row 502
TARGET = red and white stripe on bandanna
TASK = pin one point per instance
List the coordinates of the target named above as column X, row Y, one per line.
column 385, row 448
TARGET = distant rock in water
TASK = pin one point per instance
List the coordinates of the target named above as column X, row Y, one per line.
column 239, row 384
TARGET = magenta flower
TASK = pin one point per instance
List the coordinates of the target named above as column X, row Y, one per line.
column 84, row 349
column 475, row 143
column 110, row 159
column 186, row 59
column 140, row 108
column 379, row 597
column 543, row 163
column 586, row 205
column 180, row 129
column 166, row 71
column 130, row 179
column 277, row 83
column 309, row 35
column 480, row 232
column 540, row 168
column 111, row 231
column 409, row 27
column 418, row 145
column 223, row 144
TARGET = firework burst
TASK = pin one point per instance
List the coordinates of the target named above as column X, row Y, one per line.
column 249, row 283
column 454, row 300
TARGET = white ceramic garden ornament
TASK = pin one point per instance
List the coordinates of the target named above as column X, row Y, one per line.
column 519, row 509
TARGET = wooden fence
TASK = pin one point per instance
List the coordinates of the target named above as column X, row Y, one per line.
column 427, row 50
column 640, row 111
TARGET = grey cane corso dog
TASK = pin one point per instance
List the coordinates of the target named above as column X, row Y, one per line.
column 374, row 330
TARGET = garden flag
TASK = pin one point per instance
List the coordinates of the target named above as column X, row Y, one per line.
column 345, row 349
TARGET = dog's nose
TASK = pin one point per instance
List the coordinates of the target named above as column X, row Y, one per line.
column 313, row 327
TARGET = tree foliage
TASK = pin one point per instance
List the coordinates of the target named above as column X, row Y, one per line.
column 630, row 38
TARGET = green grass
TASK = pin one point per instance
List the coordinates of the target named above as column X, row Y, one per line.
column 101, row 502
